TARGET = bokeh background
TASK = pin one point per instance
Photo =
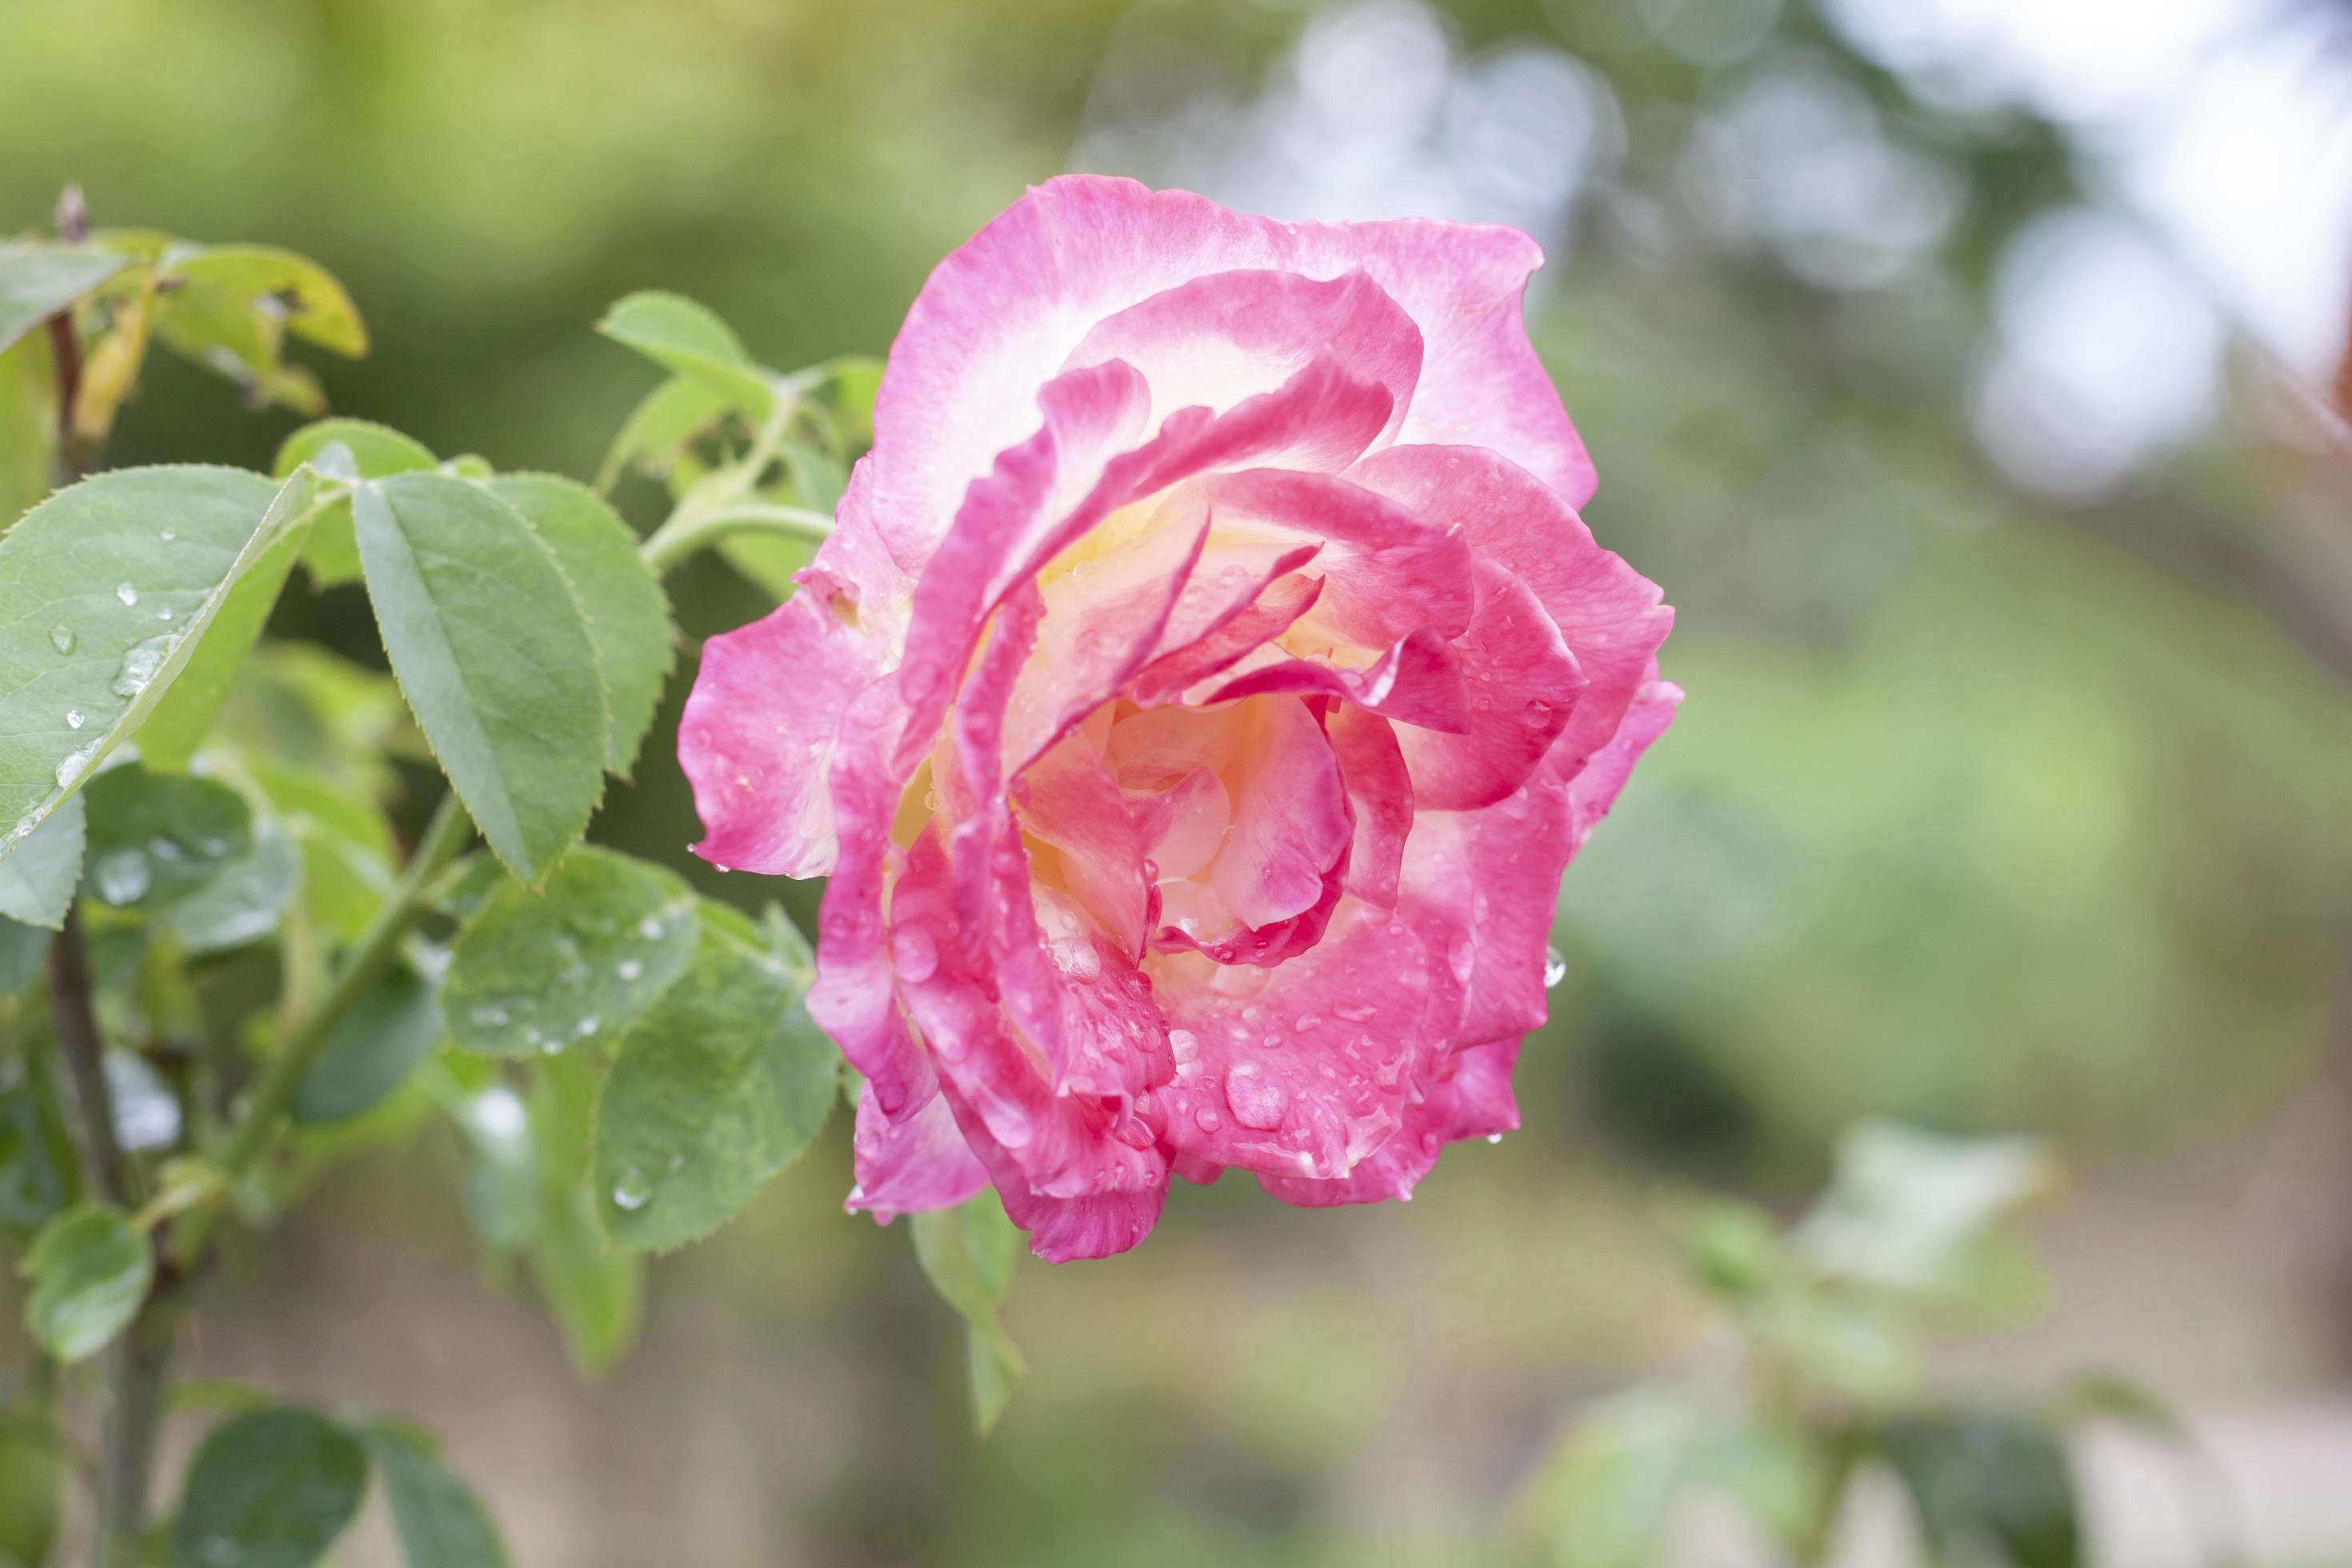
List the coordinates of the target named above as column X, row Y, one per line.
column 1960, row 366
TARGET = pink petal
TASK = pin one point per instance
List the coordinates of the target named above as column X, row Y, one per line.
column 1271, row 611
column 1388, row 572
column 1522, row 683
column 1607, row 612
column 1466, row 1094
column 1004, row 312
column 910, row 1166
column 1075, row 1144
column 768, row 702
column 1211, row 341
column 1311, row 1073
column 1380, row 793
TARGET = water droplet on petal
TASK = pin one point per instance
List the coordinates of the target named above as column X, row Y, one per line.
column 1555, row 966
column 1208, row 1120
column 126, row 593
column 1256, row 1100
column 631, row 1192
column 1493, row 1138
column 917, row 956
column 1184, row 1045
column 62, row 639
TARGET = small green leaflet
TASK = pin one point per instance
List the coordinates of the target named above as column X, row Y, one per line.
column 674, row 331
column 968, row 1253
column 670, row 419
column 368, row 451
column 511, row 701
column 531, row 975
column 90, row 1268
column 627, row 615
column 269, row 1489
column 36, row 883
column 105, row 591
column 442, row 1524
column 717, row 1087
column 39, row 280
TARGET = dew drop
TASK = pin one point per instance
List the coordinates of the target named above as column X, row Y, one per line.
column 917, row 956
column 1208, row 1120
column 140, row 665
column 126, row 593
column 588, row 1026
column 1555, row 966
column 1493, row 1138
column 629, row 969
column 650, row 928
column 1184, row 1045
column 165, row 849
column 165, row 614
column 489, row 1016
column 631, row 1192
column 62, row 639
column 1256, row 1100
column 70, row 767
column 549, row 1048
column 75, row 718
column 168, row 536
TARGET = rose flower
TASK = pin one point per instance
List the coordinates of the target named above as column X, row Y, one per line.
column 1206, row 684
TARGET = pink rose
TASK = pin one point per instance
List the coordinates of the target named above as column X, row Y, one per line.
column 1204, row 689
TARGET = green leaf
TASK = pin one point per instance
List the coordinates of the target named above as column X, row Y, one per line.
column 271, row 1488
column 37, row 280
column 1986, row 1485
column 38, row 882
column 185, row 718
column 594, row 1289
column 156, row 838
column 670, row 419
column 105, row 591
column 968, row 1253
column 491, row 646
column 28, row 426
column 304, row 295
column 229, row 308
column 715, row 1089
column 531, row 974
column 368, row 451
column 390, row 1030
column 686, row 337
column 627, row 615
column 442, row 1523
column 90, row 1268
column 244, row 900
